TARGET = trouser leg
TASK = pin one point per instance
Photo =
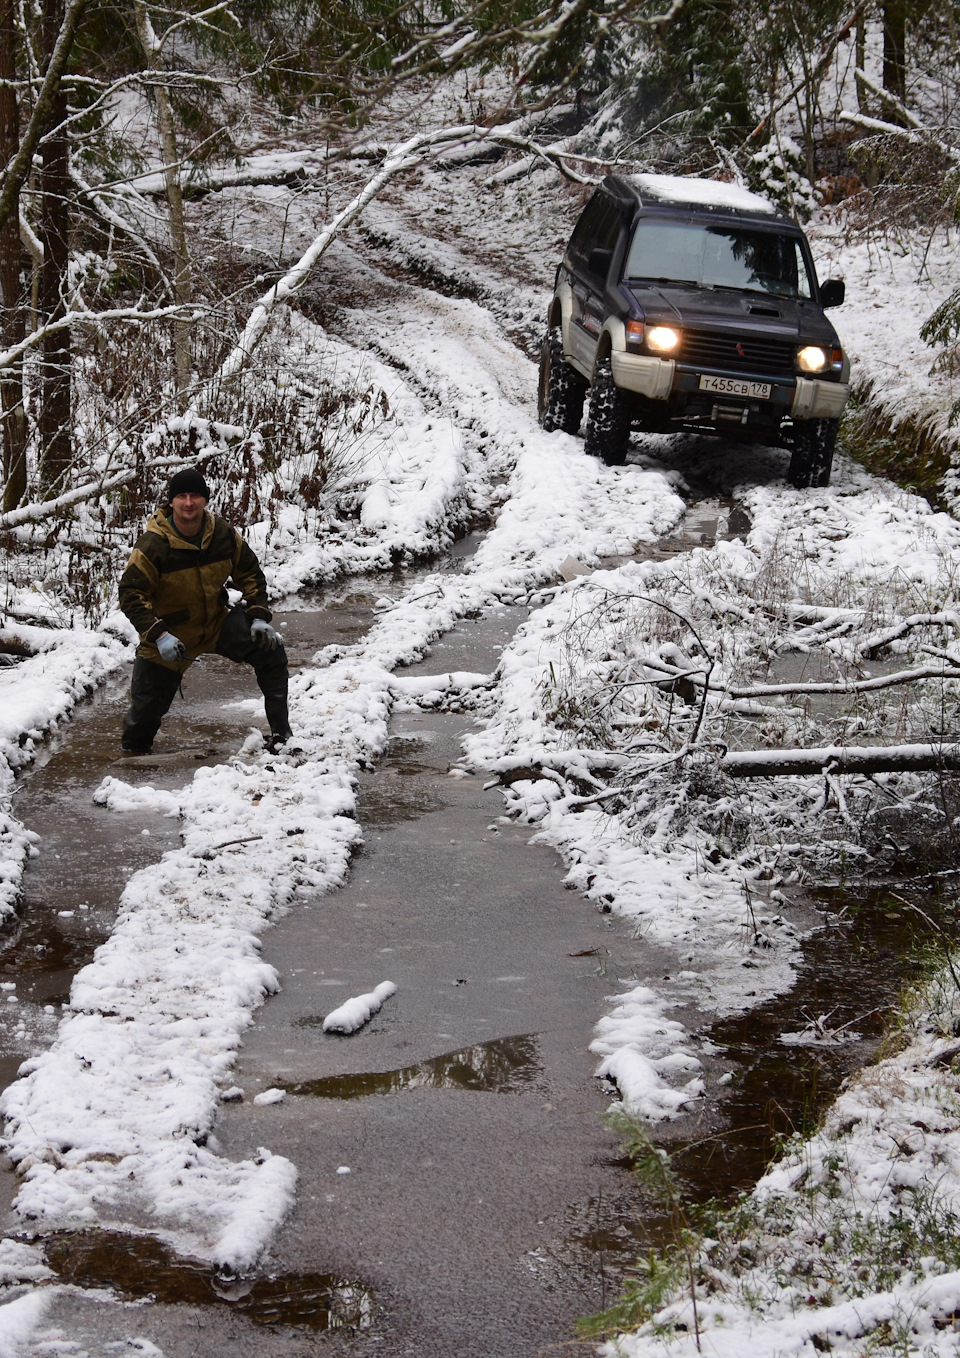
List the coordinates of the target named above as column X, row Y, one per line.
column 270, row 668
column 152, row 690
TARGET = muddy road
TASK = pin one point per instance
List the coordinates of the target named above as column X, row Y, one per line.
column 459, row 1192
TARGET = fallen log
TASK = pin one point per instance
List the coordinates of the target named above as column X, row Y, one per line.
column 863, row 759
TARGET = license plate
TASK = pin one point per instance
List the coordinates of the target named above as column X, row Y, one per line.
column 734, row 386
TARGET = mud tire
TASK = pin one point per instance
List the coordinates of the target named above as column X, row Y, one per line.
column 561, row 390
column 812, row 459
column 608, row 425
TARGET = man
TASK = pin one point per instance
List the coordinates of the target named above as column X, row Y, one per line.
column 173, row 590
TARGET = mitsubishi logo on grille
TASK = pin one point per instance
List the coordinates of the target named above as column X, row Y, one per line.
column 740, row 349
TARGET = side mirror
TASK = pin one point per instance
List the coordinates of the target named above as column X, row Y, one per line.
column 598, row 262
column 832, row 292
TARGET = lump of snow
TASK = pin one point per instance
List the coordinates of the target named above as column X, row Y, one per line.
column 643, row 1090
column 354, row 1013
column 270, row 1096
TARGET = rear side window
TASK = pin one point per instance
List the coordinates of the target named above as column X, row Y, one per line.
column 597, row 229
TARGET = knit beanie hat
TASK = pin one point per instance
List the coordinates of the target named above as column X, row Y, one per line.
column 187, row 482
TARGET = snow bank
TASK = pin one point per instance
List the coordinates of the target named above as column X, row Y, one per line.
column 849, row 1243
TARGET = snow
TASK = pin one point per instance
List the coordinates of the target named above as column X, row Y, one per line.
column 354, row 1013
column 799, row 1270
column 713, row 193
column 268, row 1096
column 20, row 1320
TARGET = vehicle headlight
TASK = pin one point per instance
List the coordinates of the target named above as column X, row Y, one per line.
column 662, row 339
column 812, row 359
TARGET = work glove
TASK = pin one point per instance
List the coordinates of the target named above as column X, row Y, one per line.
column 264, row 635
column 171, row 648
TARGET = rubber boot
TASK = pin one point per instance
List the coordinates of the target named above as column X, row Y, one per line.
column 275, row 706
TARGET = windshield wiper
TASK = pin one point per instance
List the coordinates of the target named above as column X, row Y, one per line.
column 757, row 292
column 673, row 282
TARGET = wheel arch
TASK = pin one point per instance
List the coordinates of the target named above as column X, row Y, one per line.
column 612, row 336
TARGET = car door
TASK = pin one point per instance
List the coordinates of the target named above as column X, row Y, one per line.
column 591, row 249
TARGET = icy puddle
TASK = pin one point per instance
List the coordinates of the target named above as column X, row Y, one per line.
column 143, row 1268
column 789, row 1057
column 506, row 1065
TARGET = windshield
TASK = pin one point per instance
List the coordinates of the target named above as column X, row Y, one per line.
column 718, row 257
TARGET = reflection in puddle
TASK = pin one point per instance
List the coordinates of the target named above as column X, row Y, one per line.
column 851, row 978
column 42, row 945
column 706, row 522
column 142, row 1266
column 507, row 1065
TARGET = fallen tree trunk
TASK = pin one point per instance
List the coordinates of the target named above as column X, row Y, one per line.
column 863, row 759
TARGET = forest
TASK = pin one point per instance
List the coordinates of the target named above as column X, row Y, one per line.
column 310, row 249
column 126, row 306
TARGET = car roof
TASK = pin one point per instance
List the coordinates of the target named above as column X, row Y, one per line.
column 690, row 193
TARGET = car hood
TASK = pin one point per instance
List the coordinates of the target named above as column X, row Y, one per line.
column 729, row 308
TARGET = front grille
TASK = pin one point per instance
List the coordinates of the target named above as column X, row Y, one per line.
column 737, row 353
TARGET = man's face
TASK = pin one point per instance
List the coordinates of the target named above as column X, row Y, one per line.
column 188, row 513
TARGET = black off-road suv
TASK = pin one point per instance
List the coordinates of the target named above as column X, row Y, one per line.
column 687, row 304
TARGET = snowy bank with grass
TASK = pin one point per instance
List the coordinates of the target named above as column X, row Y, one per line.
column 850, row 1243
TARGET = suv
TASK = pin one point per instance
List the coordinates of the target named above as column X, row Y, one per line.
column 687, row 304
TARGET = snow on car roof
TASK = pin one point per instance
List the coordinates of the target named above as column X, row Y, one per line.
column 705, row 192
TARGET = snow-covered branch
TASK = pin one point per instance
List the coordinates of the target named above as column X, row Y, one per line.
column 862, row 759
column 911, row 130
column 16, row 351
column 91, row 490
column 403, row 157
column 872, row 685
column 86, row 192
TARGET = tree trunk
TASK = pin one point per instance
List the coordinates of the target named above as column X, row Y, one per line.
column 11, row 315
column 56, row 188
column 861, row 58
column 894, row 48
column 182, row 281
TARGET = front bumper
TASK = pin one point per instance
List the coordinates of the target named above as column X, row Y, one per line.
column 660, row 379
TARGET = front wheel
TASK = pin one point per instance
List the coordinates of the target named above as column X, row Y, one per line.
column 608, row 426
column 812, row 457
column 561, row 390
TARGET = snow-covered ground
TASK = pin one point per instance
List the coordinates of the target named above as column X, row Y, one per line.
column 114, row 1121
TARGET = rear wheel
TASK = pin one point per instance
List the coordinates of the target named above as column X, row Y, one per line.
column 608, row 426
column 561, row 391
column 812, row 458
